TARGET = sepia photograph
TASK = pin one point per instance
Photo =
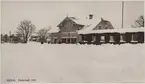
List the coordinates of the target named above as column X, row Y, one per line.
column 72, row 42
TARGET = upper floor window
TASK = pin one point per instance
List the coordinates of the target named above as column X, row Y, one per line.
column 100, row 27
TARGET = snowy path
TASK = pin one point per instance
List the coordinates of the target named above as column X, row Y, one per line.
column 74, row 63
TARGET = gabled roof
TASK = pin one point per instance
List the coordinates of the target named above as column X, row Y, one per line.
column 75, row 20
column 89, row 24
column 106, row 22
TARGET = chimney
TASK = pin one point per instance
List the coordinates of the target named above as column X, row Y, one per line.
column 90, row 16
column 102, row 19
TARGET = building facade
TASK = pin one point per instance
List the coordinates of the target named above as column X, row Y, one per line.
column 69, row 27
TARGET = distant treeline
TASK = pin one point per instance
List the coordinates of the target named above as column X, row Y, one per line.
column 10, row 38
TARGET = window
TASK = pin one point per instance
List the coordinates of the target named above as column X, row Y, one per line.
column 106, row 27
column 100, row 27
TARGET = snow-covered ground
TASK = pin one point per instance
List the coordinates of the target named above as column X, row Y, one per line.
column 74, row 63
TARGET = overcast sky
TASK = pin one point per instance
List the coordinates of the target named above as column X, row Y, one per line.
column 45, row 14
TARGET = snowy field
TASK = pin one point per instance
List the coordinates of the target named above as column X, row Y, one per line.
column 74, row 63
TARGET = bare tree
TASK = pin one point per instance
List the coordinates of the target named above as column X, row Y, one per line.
column 43, row 34
column 139, row 22
column 25, row 30
column 4, row 38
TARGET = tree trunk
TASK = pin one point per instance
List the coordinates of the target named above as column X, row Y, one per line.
column 25, row 40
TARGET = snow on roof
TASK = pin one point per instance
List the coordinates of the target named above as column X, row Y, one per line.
column 53, row 30
column 79, row 20
column 85, row 21
column 91, row 24
column 120, row 30
column 35, row 34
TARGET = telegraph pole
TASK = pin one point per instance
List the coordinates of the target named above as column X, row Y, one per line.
column 122, row 13
column 10, row 37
